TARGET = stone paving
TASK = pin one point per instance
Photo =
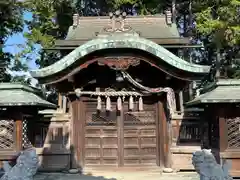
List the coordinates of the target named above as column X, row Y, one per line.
column 118, row 176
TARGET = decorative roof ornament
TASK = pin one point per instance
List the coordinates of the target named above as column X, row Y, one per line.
column 118, row 22
column 168, row 15
column 75, row 20
column 119, row 63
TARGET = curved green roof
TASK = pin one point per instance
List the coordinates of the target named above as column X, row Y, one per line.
column 15, row 94
column 119, row 41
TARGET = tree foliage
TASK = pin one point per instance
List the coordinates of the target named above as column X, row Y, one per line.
column 215, row 23
column 218, row 24
column 51, row 20
column 221, row 20
column 11, row 21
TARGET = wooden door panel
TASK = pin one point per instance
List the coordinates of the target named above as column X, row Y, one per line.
column 92, row 142
column 93, row 153
column 130, row 142
column 110, row 150
column 102, row 147
column 101, row 140
column 148, row 141
column 148, row 161
column 140, row 145
column 109, row 142
column 148, row 152
column 110, row 153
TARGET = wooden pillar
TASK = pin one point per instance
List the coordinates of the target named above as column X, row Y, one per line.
column 60, row 101
column 120, row 126
column 223, row 131
column 64, row 104
column 168, row 158
column 80, row 131
column 19, row 131
column 77, row 133
column 181, row 100
column 165, row 136
column 160, row 135
column 73, row 138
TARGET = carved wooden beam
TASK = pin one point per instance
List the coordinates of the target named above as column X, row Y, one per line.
column 118, row 63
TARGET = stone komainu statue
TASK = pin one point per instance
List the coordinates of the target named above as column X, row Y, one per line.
column 207, row 167
column 25, row 168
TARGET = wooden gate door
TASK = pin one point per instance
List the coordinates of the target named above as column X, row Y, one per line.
column 101, row 137
column 140, row 137
column 125, row 139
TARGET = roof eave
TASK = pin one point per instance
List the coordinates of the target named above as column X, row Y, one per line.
column 204, row 101
column 18, row 95
column 160, row 41
column 22, row 104
column 123, row 41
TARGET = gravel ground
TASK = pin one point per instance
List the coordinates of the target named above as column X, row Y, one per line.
column 118, row 176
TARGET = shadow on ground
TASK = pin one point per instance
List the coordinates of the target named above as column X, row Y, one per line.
column 58, row 176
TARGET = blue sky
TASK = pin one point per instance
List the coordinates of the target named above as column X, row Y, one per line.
column 12, row 46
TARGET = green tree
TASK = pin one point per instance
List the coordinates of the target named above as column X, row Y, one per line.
column 51, row 20
column 11, row 21
column 218, row 26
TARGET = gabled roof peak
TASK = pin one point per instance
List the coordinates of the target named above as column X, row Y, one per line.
column 159, row 26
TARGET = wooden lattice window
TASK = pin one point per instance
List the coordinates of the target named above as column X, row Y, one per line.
column 188, row 132
column 44, row 135
column 25, row 138
column 95, row 118
column 233, row 132
column 35, row 132
column 40, row 134
column 140, row 118
column 7, row 131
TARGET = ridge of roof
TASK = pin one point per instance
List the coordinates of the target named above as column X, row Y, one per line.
column 134, row 17
column 150, row 26
column 16, row 85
